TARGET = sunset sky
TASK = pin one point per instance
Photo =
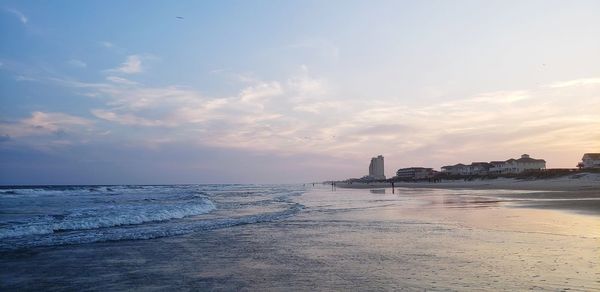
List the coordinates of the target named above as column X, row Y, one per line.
column 111, row 92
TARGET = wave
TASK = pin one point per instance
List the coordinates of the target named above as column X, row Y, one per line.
column 147, row 232
column 75, row 190
column 109, row 216
column 51, row 216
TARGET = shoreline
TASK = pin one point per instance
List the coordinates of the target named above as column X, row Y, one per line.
column 416, row 240
column 346, row 239
column 579, row 194
column 587, row 182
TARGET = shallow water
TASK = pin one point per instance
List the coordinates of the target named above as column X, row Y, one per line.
column 440, row 240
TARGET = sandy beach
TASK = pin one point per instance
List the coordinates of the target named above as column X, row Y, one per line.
column 578, row 193
column 414, row 239
column 578, row 182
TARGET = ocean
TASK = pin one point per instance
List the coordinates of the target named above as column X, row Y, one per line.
column 290, row 237
column 63, row 215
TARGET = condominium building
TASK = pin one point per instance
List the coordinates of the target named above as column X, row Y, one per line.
column 415, row 173
column 376, row 168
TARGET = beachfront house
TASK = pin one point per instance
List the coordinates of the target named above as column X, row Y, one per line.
column 479, row 168
column 457, row 169
column 519, row 165
column 497, row 167
column 415, row 173
column 475, row 168
column 448, row 169
column 590, row 160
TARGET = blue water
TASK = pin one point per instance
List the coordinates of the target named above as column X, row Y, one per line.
column 60, row 215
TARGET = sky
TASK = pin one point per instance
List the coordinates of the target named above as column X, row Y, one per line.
column 154, row 92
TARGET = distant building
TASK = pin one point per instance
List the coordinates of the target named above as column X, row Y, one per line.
column 524, row 163
column 590, row 160
column 376, row 168
column 457, row 169
column 517, row 165
column 475, row 168
column 415, row 173
column 479, row 168
column 496, row 167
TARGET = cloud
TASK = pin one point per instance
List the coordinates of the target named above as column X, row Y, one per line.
column 304, row 113
column 45, row 123
column 499, row 97
column 107, row 44
column 306, row 87
column 576, row 82
column 77, row 63
column 120, row 80
column 24, row 78
column 19, row 15
column 132, row 65
column 54, row 121
column 110, row 46
column 260, row 92
column 126, row 119
column 260, row 109
column 139, row 97
column 317, row 107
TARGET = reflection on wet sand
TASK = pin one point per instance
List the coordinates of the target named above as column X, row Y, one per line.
column 377, row 191
column 414, row 240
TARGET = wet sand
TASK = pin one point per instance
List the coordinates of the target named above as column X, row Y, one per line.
column 578, row 193
column 348, row 239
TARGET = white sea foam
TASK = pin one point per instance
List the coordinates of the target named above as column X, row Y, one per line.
column 147, row 232
column 109, row 216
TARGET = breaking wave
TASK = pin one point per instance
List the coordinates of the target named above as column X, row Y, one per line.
column 49, row 216
column 107, row 217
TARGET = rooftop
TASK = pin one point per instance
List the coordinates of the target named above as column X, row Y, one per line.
column 415, row 168
column 527, row 159
column 592, row 155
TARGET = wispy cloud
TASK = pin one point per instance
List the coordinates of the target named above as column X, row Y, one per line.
column 261, row 91
column 113, row 47
column 24, row 78
column 18, row 14
column 576, row 82
column 125, row 119
column 260, row 109
column 120, row 80
column 304, row 114
column 53, row 121
column 107, row 44
column 132, row 65
column 45, row 123
column 500, row 97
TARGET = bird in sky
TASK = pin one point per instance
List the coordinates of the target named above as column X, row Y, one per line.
column 179, row 17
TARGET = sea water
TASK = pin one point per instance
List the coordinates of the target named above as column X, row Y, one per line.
column 288, row 237
column 60, row 215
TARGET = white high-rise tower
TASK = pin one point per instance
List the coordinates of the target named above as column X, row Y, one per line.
column 376, row 169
